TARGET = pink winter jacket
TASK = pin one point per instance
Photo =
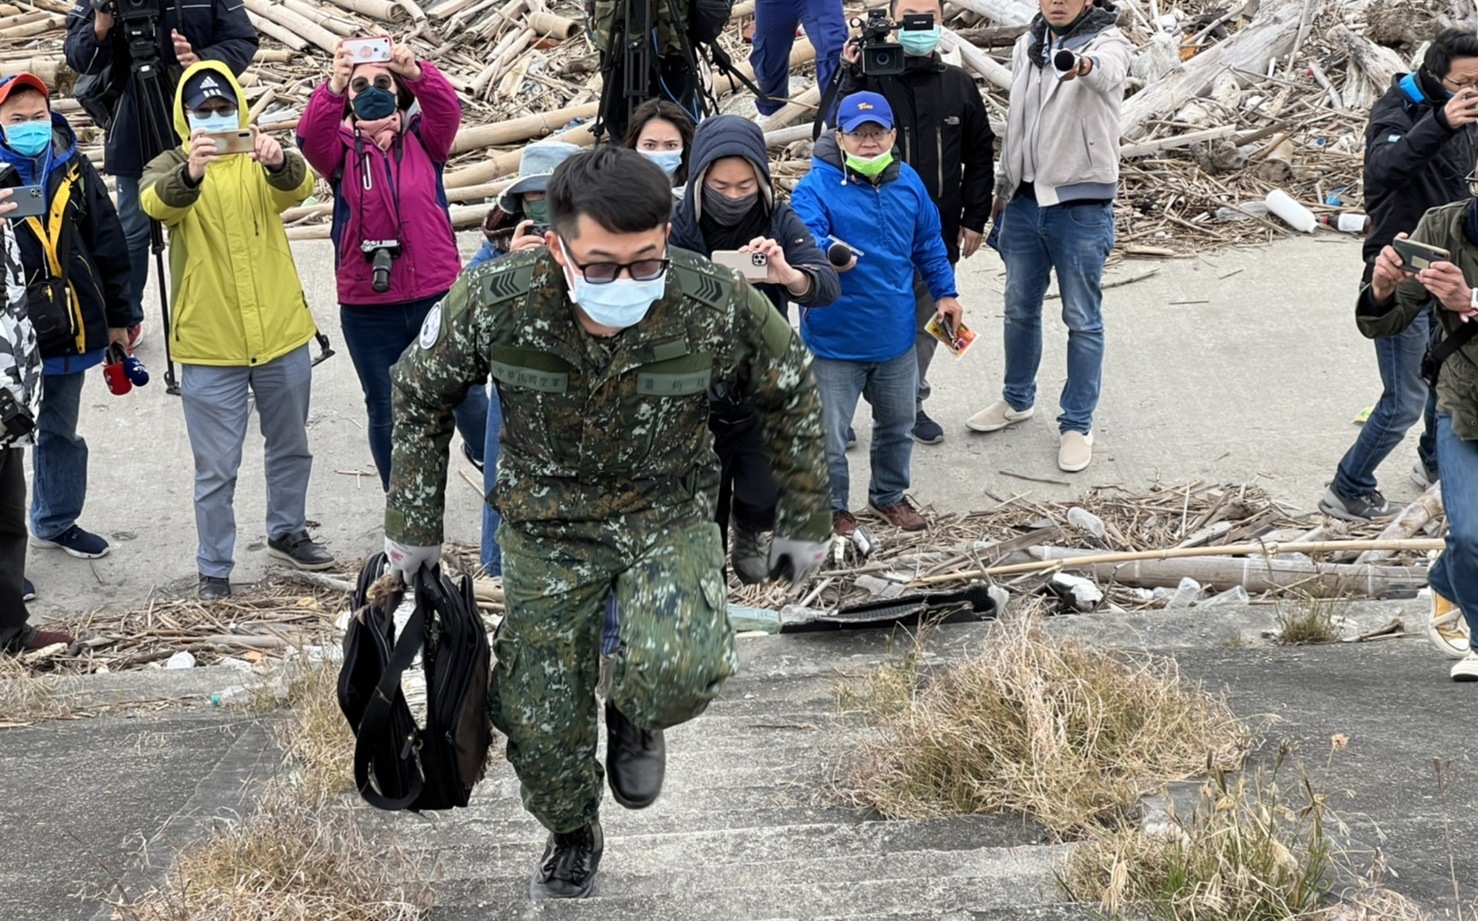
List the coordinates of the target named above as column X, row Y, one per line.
column 393, row 194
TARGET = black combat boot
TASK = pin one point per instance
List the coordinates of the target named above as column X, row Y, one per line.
column 636, row 759
column 567, row 869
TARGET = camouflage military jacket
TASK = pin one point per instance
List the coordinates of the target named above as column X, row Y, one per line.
column 596, row 430
column 602, row 14
column 20, row 359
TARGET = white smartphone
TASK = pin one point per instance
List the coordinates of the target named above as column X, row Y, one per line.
column 750, row 266
column 368, row 50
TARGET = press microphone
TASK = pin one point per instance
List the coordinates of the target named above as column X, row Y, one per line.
column 839, row 254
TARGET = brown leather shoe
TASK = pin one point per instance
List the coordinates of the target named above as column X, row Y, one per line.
column 842, row 523
column 40, row 639
column 901, row 514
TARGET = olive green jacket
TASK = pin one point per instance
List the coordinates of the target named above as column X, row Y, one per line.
column 1457, row 383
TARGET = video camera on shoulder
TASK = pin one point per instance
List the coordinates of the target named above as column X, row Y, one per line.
column 879, row 56
column 129, row 11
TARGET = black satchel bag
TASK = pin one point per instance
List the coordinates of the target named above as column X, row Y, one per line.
column 399, row 764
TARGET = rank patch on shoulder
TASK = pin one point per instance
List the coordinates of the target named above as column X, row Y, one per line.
column 431, row 327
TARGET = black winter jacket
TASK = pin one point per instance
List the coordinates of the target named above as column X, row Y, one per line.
column 98, row 267
column 217, row 30
column 1413, row 160
column 731, row 136
column 944, row 134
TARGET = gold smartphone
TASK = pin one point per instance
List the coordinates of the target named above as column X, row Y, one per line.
column 233, row 142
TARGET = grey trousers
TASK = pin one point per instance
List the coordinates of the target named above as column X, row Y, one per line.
column 216, row 413
column 923, row 343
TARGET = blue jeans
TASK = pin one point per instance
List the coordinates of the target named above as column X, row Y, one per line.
column 1073, row 240
column 492, row 557
column 60, row 461
column 136, row 233
column 1404, row 399
column 774, row 36
column 375, row 337
column 890, row 386
column 1455, row 573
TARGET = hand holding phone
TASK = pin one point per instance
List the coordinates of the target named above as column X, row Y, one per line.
column 373, row 50
column 751, row 266
column 1416, row 255
column 26, row 201
column 233, row 142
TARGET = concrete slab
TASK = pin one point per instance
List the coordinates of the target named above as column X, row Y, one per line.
column 1258, row 385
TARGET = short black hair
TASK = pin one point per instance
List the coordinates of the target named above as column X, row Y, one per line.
column 619, row 189
column 1449, row 44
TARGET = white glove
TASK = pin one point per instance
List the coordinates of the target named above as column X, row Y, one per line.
column 404, row 561
column 796, row 560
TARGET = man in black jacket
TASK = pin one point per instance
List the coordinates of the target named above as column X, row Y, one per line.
column 185, row 33
column 1419, row 145
column 944, row 134
column 76, row 272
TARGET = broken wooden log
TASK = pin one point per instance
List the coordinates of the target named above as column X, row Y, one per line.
column 1412, row 519
column 1379, row 64
column 976, row 60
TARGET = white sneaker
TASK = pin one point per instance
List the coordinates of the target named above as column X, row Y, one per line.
column 1447, row 629
column 997, row 416
column 1076, row 451
column 1467, row 668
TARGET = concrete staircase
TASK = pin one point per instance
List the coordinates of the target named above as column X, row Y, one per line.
column 750, row 825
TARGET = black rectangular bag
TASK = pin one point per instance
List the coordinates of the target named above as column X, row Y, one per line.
column 398, row 764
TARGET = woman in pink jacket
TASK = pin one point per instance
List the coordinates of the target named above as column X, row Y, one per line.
column 381, row 134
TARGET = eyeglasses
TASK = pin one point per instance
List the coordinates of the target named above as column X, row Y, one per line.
column 383, row 81
column 1463, row 85
column 872, row 135
column 603, row 273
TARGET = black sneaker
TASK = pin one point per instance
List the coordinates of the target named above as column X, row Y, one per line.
column 28, row 591
column 213, row 588
column 750, row 556
column 926, row 431
column 299, row 549
column 636, row 760
column 1369, row 507
column 567, row 869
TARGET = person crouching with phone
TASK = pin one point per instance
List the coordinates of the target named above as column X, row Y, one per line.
column 1394, row 299
column 241, row 323
column 380, row 130
column 858, row 191
column 729, row 206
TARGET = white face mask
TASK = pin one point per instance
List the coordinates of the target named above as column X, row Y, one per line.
column 618, row 304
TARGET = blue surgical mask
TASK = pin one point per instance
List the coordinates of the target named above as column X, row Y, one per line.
column 213, row 123
column 618, row 304
column 919, row 43
column 669, row 160
column 29, row 139
column 373, row 104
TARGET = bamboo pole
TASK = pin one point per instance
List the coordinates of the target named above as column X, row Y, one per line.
column 803, row 106
column 1263, row 575
column 977, row 60
column 1079, row 559
column 282, row 16
column 506, row 163
column 381, row 10
column 319, row 16
column 519, row 130
column 1411, row 520
column 282, row 33
column 554, row 26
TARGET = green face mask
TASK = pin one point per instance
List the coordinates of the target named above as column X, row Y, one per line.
column 536, row 211
column 871, row 167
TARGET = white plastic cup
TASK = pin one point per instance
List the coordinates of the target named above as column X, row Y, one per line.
column 1352, row 223
column 1293, row 214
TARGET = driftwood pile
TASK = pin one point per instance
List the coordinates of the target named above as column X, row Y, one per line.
column 1228, row 98
column 1176, row 547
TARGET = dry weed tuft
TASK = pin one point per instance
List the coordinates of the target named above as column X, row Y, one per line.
column 286, row 863
column 26, row 697
column 1033, row 724
column 317, row 745
column 1306, row 618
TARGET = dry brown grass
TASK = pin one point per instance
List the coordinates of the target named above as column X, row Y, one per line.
column 287, row 863
column 1305, row 618
column 1034, row 724
column 27, row 698
column 317, row 745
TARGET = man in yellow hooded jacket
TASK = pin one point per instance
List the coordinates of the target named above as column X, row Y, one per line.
column 241, row 324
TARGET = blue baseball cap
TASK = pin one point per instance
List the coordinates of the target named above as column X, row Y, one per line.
column 861, row 108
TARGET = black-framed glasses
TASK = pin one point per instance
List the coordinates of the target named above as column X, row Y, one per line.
column 603, row 273
column 383, row 81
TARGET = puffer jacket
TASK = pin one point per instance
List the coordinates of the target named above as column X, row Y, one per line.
column 98, row 267
column 394, row 194
column 237, row 297
column 1457, row 382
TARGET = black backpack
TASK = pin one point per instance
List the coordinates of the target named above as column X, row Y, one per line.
column 398, row 764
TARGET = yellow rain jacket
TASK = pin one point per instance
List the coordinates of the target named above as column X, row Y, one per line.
column 237, row 298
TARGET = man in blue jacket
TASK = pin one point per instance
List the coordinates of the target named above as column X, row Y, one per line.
column 859, row 193
column 730, row 204
column 76, row 270
column 217, row 30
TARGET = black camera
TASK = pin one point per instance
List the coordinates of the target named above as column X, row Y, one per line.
column 129, row 11
column 380, row 253
column 15, row 418
column 879, row 57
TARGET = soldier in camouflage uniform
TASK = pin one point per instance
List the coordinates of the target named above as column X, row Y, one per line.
column 20, row 401
column 604, row 348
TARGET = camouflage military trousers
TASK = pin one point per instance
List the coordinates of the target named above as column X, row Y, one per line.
column 676, row 650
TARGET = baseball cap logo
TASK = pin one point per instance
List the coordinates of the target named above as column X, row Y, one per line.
column 864, row 106
column 209, row 83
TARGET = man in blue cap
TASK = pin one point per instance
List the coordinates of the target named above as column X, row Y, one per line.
column 859, row 192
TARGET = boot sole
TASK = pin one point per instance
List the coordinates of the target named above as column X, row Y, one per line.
column 298, row 564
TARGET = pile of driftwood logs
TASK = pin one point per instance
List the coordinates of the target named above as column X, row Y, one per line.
column 1229, row 99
